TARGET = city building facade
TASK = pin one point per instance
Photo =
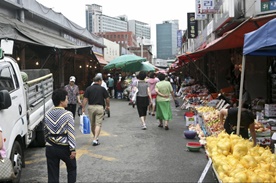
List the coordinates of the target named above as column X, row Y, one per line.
column 141, row 30
column 98, row 22
column 125, row 39
column 111, row 51
column 166, row 39
column 132, row 35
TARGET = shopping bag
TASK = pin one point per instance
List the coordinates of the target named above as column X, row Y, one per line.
column 134, row 95
column 6, row 170
column 85, row 126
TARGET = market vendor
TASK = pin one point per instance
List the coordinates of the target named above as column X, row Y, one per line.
column 247, row 121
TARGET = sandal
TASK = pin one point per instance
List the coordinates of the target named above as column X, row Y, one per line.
column 166, row 128
column 160, row 125
column 153, row 114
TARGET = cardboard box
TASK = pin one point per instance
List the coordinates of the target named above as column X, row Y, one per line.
column 263, row 140
column 270, row 107
column 190, row 120
column 270, row 113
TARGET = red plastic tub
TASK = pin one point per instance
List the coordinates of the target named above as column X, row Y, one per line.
column 189, row 114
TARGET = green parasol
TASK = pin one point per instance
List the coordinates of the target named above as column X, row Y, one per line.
column 123, row 61
column 140, row 66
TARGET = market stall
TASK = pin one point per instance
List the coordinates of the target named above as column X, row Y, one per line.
column 261, row 42
column 233, row 158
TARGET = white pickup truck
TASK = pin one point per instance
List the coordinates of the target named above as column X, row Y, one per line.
column 25, row 98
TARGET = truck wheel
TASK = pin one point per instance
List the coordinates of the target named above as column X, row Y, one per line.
column 17, row 159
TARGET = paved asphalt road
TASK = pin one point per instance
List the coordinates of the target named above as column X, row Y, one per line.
column 127, row 153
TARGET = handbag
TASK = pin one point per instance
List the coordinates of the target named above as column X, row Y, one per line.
column 6, row 169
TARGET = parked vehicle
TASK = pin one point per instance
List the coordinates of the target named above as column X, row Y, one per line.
column 25, row 98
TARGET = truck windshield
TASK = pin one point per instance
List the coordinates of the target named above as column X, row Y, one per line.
column 6, row 80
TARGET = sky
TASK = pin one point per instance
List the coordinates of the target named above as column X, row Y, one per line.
column 148, row 11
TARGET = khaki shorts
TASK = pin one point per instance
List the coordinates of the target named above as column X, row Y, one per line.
column 96, row 113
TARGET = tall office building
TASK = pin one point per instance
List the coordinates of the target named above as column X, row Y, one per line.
column 97, row 22
column 166, row 39
column 141, row 30
column 132, row 35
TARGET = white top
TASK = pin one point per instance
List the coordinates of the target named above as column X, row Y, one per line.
column 103, row 84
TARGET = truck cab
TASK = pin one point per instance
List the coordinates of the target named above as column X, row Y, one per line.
column 25, row 98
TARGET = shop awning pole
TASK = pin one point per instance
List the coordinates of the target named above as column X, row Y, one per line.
column 240, row 96
column 191, row 60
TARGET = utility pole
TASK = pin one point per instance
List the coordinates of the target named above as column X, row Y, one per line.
column 141, row 46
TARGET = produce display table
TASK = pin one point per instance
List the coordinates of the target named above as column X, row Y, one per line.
column 235, row 159
column 208, row 120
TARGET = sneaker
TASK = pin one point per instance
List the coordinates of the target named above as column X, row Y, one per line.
column 95, row 143
column 144, row 127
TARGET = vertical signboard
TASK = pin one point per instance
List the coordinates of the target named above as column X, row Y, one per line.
column 179, row 38
column 198, row 14
column 192, row 26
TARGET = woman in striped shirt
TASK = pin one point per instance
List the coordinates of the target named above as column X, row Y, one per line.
column 60, row 138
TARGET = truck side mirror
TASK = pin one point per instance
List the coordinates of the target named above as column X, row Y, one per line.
column 5, row 99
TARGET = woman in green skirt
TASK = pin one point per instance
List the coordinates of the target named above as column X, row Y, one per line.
column 163, row 105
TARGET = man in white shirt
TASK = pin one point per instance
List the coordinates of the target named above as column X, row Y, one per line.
column 103, row 82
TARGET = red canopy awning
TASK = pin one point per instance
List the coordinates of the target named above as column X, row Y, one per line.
column 231, row 39
column 191, row 56
column 101, row 60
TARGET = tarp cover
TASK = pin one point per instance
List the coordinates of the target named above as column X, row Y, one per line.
column 16, row 30
column 262, row 41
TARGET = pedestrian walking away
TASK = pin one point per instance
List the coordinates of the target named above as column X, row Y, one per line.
column 116, row 80
column 121, row 86
column 152, row 82
column 73, row 95
column 97, row 97
column 60, row 138
column 172, row 80
column 163, row 106
column 143, row 98
column 103, row 84
column 110, row 85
